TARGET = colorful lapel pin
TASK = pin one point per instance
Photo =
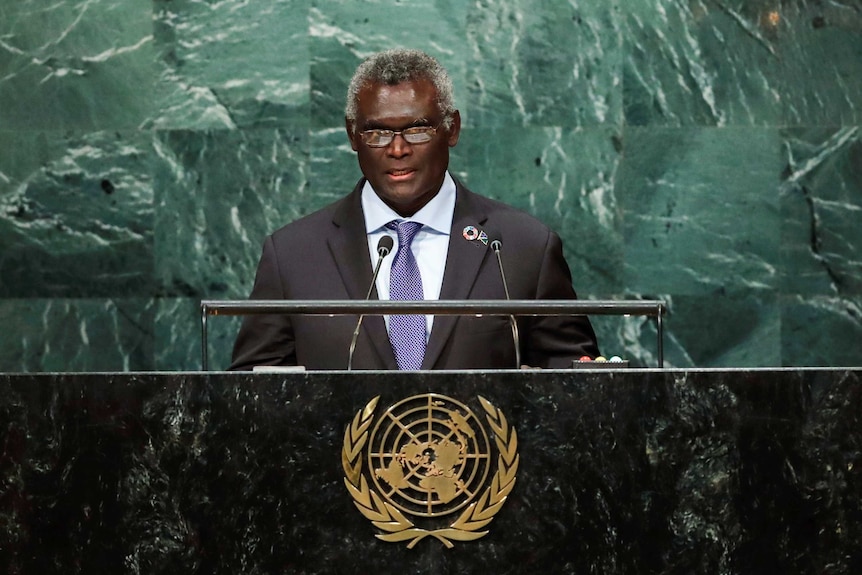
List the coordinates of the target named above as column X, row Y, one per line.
column 471, row 233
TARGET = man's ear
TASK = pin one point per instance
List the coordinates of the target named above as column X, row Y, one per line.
column 454, row 129
column 351, row 134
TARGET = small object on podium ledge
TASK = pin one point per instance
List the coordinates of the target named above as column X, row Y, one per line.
column 601, row 362
column 277, row 368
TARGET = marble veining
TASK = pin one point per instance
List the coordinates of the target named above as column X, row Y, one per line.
column 632, row 471
column 706, row 152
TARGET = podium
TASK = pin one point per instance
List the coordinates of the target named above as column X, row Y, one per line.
column 630, row 471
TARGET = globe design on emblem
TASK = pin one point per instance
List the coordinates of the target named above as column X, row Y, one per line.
column 429, row 454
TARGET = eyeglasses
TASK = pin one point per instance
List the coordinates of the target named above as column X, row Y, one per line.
column 413, row 135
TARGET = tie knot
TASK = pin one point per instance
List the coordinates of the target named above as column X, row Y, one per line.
column 406, row 231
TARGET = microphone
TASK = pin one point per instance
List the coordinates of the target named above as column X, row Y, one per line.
column 496, row 245
column 384, row 246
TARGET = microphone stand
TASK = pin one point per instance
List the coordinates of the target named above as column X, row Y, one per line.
column 384, row 246
column 496, row 245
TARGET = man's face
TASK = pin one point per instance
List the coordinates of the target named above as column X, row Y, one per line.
column 405, row 176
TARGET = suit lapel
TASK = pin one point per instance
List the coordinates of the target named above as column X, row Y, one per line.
column 348, row 245
column 462, row 267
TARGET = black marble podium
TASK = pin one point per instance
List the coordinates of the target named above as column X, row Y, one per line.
column 633, row 471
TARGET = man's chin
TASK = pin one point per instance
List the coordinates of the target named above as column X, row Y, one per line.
column 406, row 200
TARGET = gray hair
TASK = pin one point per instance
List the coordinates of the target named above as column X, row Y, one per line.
column 393, row 67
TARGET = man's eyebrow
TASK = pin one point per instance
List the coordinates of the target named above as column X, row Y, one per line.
column 378, row 125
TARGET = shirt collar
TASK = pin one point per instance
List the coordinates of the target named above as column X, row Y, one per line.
column 437, row 214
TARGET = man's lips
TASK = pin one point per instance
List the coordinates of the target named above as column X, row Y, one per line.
column 400, row 174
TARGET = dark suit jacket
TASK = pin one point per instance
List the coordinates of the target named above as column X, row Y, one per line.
column 324, row 256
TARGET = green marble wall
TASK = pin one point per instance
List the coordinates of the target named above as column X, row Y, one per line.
column 705, row 152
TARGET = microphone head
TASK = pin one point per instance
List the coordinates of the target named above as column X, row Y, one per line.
column 496, row 245
column 384, row 246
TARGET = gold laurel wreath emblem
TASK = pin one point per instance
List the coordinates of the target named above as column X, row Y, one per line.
column 386, row 517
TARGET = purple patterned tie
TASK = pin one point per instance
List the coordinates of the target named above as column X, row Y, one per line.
column 406, row 332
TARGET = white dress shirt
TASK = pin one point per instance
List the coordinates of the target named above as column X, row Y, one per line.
column 430, row 246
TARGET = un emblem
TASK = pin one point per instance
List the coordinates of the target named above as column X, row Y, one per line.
column 429, row 458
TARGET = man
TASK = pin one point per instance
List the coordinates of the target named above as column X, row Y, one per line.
column 401, row 122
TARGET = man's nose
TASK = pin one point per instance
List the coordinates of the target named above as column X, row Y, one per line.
column 399, row 147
